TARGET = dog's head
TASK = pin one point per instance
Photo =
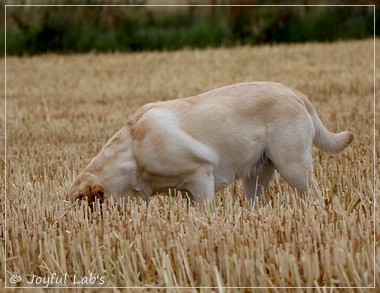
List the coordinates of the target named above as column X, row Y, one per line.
column 86, row 187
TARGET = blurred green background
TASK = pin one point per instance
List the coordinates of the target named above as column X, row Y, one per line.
column 37, row 30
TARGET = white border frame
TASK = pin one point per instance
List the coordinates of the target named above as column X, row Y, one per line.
column 184, row 5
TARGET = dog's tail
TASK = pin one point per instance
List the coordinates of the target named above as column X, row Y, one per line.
column 326, row 141
column 331, row 143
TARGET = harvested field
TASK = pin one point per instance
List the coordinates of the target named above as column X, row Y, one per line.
column 62, row 109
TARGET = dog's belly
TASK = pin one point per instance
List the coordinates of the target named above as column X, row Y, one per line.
column 234, row 164
column 228, row 172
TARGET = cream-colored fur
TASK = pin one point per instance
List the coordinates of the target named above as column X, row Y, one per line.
column 205, row 142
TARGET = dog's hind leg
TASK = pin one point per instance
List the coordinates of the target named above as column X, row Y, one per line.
column 255, row 184
column 296, row 167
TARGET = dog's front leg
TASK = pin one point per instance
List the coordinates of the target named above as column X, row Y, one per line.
column 255, row 184
column 202, row 187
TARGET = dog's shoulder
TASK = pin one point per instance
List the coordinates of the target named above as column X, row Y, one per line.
column 139, row 113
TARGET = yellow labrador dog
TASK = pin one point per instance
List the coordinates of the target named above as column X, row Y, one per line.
column 205, row 142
